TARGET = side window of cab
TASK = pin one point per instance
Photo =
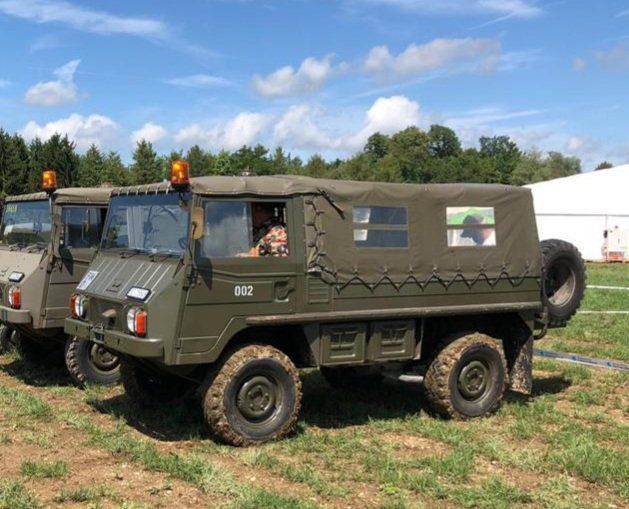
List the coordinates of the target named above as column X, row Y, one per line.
column 81, row 227
column 243, row 229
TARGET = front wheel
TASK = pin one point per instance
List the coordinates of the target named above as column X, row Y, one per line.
column 467, row 378
column 253, row 396
column 91, row 363
column 7, row 338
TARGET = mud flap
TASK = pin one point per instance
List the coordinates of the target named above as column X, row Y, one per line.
column 520, row 363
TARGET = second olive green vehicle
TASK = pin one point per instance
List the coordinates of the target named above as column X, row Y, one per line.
column 47, row 241
column 227, row 285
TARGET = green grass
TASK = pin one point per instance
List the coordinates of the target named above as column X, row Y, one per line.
column 13, row 495
column 44, row 470
column 84, row 494
column 610, row 274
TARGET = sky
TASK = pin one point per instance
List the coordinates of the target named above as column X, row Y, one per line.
column 317, row 76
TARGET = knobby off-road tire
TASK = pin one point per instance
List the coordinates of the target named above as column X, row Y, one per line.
column 90, row 363
column 149, row 388
column 252, row 396
column 564, row 280
column 351, row 377
column 467, row 378
column 6, row 339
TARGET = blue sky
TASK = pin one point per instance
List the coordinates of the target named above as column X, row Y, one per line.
column 317, row 75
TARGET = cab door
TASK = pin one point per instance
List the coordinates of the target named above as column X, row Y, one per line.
column 80, row 230
column 228, row 283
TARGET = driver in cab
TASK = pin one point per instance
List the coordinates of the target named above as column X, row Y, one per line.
column 269, row 232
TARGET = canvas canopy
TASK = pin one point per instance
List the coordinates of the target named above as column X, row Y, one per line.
column 78, row 195
column 331, row 230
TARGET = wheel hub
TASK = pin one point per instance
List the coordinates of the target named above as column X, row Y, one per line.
column 473, row 380
column 257, row 398
column 102, row 359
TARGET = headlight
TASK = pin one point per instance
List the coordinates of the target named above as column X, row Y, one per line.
column 16, row 277
column 80, row 306
column 136, row 321
column 15, row 297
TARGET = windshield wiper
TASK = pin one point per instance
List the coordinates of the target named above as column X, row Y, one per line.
column 37, row 245
column 165, row 254
column 130, row 251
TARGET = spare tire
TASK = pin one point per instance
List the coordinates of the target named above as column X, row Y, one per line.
column 563, row 282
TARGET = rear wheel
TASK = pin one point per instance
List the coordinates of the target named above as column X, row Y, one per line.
column 564, row 280
column 253, row 396
column 467, row 378
column 91, row 363
column 148, row 387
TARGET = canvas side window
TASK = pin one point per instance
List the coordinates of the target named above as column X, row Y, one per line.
column 471, row 226
column 82, row 227
column 238, row 229
column 380, row 227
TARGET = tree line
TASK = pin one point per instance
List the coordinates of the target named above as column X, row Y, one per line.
column 411, row 156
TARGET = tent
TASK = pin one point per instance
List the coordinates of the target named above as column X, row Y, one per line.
column 582, row 208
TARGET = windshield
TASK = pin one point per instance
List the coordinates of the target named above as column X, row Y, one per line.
column 26, row 222
column 154, row 223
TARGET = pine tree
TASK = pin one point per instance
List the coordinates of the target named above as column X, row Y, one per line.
column 200, row 161
column 91, row 168
column 115, row 173
column 59, row 154
column 13, row 165
column 146, row 167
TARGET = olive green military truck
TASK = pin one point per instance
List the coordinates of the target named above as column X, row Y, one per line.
column 227, row 285
column 47, row 241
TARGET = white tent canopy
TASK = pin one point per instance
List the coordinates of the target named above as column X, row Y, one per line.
column 582, row 207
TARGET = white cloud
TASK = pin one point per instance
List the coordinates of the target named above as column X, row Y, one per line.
column 243, row 129
column 300, row 126
column 84, row 131
column 438, row 54
column 63, row 90
column 387, row 115
column 199, row 81
column 287, row 81
column 579, row 64
column 149, row 132
column 508, row 8
column 81, row 18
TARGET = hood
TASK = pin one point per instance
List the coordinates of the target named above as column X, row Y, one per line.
column 111, row 276
column 18, row 261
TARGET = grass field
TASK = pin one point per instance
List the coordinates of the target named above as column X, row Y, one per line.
column 565, row 447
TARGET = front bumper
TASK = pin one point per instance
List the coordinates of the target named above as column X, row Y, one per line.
column 114, row 340
column 18, row 316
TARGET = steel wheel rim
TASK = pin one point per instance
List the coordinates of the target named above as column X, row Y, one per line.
column 258, row 399
column 102, row 360
column 474, row 380
column 560, row 283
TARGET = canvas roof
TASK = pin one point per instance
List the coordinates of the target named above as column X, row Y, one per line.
column 291, row 185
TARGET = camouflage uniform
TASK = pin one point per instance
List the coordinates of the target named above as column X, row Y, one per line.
column 270, row 238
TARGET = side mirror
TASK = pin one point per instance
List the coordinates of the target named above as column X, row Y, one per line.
column 197, row 223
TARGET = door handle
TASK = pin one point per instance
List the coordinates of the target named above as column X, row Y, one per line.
column 283, row 289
